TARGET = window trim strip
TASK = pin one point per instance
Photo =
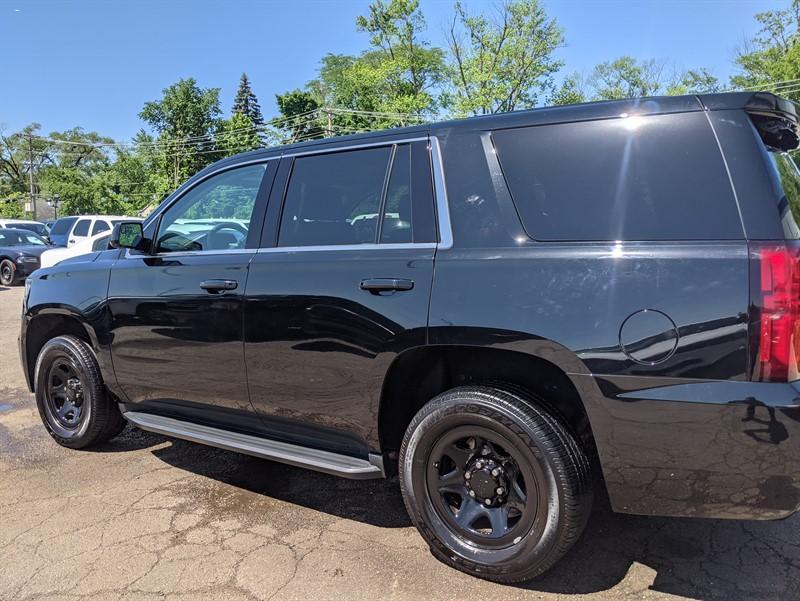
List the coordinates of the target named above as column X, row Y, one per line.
column 440, row 198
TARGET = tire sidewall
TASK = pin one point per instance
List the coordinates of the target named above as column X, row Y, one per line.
column 4, row 281
column 52, row 350
column 536, row 545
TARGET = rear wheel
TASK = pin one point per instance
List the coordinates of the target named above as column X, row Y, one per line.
column 498, row 487
column 7, row 271
column 72, row 400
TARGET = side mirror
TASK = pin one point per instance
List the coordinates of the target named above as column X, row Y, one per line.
column 128, row 234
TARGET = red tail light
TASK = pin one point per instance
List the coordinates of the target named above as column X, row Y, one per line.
column 775, row 311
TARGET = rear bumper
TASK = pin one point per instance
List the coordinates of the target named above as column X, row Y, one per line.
column 719, row 449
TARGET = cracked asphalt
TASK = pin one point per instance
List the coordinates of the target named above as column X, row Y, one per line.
column 146, row 517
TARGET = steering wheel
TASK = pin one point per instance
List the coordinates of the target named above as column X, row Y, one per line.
column 225, row 225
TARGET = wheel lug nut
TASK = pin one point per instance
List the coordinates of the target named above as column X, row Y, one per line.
column 488, row 501
column 468, row 475
column 485, row 451
column 479, row 464
column 472, row 493
column 500, row 490
column 496, row 472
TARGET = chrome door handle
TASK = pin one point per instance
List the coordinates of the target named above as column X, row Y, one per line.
column 216, row 286
column 378, row 285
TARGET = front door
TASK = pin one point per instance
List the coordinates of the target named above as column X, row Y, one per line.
column 177, row 339
column 340, row 290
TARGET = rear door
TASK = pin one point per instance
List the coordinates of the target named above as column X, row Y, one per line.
column 80, row 231
column 176, row 312
column 339, row 288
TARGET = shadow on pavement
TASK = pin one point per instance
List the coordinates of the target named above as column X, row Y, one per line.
column 697, row 558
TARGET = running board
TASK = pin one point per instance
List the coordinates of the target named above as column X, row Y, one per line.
column 315, row 459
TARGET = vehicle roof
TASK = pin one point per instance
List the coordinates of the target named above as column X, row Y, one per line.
column 606, row 109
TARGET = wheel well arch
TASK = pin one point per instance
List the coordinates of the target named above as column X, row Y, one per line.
column 46, row 326
column 419, row 374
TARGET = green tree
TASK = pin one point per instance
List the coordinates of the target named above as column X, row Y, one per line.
column 773, row 55
column 571, row 91
column 694, row 81
column 16, row 150
column 502, row 63
column 627, row 77
column 401, row 53
column 185, row 119
column 237, row 134
column 246, row 102
column 299, row 116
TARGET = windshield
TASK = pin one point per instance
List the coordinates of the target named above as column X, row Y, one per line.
column 37, row 228
column 62, row 226
column 20, row 238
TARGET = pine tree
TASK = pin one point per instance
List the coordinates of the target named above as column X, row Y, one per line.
column 246, row 102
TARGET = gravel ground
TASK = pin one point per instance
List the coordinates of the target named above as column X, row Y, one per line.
column 146, row 517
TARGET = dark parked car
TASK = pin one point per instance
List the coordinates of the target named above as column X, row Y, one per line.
column 500, row 310
column 19, row 254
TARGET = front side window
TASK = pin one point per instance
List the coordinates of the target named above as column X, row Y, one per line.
column 82, row 227
column 214, row 215
column 335, row 198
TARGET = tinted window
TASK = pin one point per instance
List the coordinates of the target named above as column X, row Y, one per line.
column 82, row 227
column 36, row 228
column 214, row 215
column 636, row 178
column 788, row 178
column 62, row 226
column 100, row 226
column 397, row 220
column 334, row 198
column 101, row 243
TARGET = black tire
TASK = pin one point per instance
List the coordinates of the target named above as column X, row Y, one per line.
column 507, row 446
column 72, row 400
column 7, row 271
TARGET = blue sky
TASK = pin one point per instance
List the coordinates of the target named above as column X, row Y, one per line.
column 95, row 62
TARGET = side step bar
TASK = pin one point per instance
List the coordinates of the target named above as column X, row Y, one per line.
column 321, row 461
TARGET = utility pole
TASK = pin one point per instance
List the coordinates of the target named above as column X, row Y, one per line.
column 329, row 131
column 30, row 172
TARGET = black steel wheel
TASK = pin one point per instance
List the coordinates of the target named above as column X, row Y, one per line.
column 7, row 271
column 72, row 400
column 498, row 487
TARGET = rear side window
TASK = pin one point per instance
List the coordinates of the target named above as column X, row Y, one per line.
column 62, row 226
column 397, row 217
column 100, row 226
column 334, row 198
column 635, row 178
column 788, row 178
column 82, row 227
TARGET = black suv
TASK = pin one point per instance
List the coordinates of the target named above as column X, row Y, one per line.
column 500, row 308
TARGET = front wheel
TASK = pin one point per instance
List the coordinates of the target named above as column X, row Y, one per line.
column 497, row 486
column 7, row 271
column 72, row 400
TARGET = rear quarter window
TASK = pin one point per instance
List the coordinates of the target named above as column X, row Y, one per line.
column 655, row 177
